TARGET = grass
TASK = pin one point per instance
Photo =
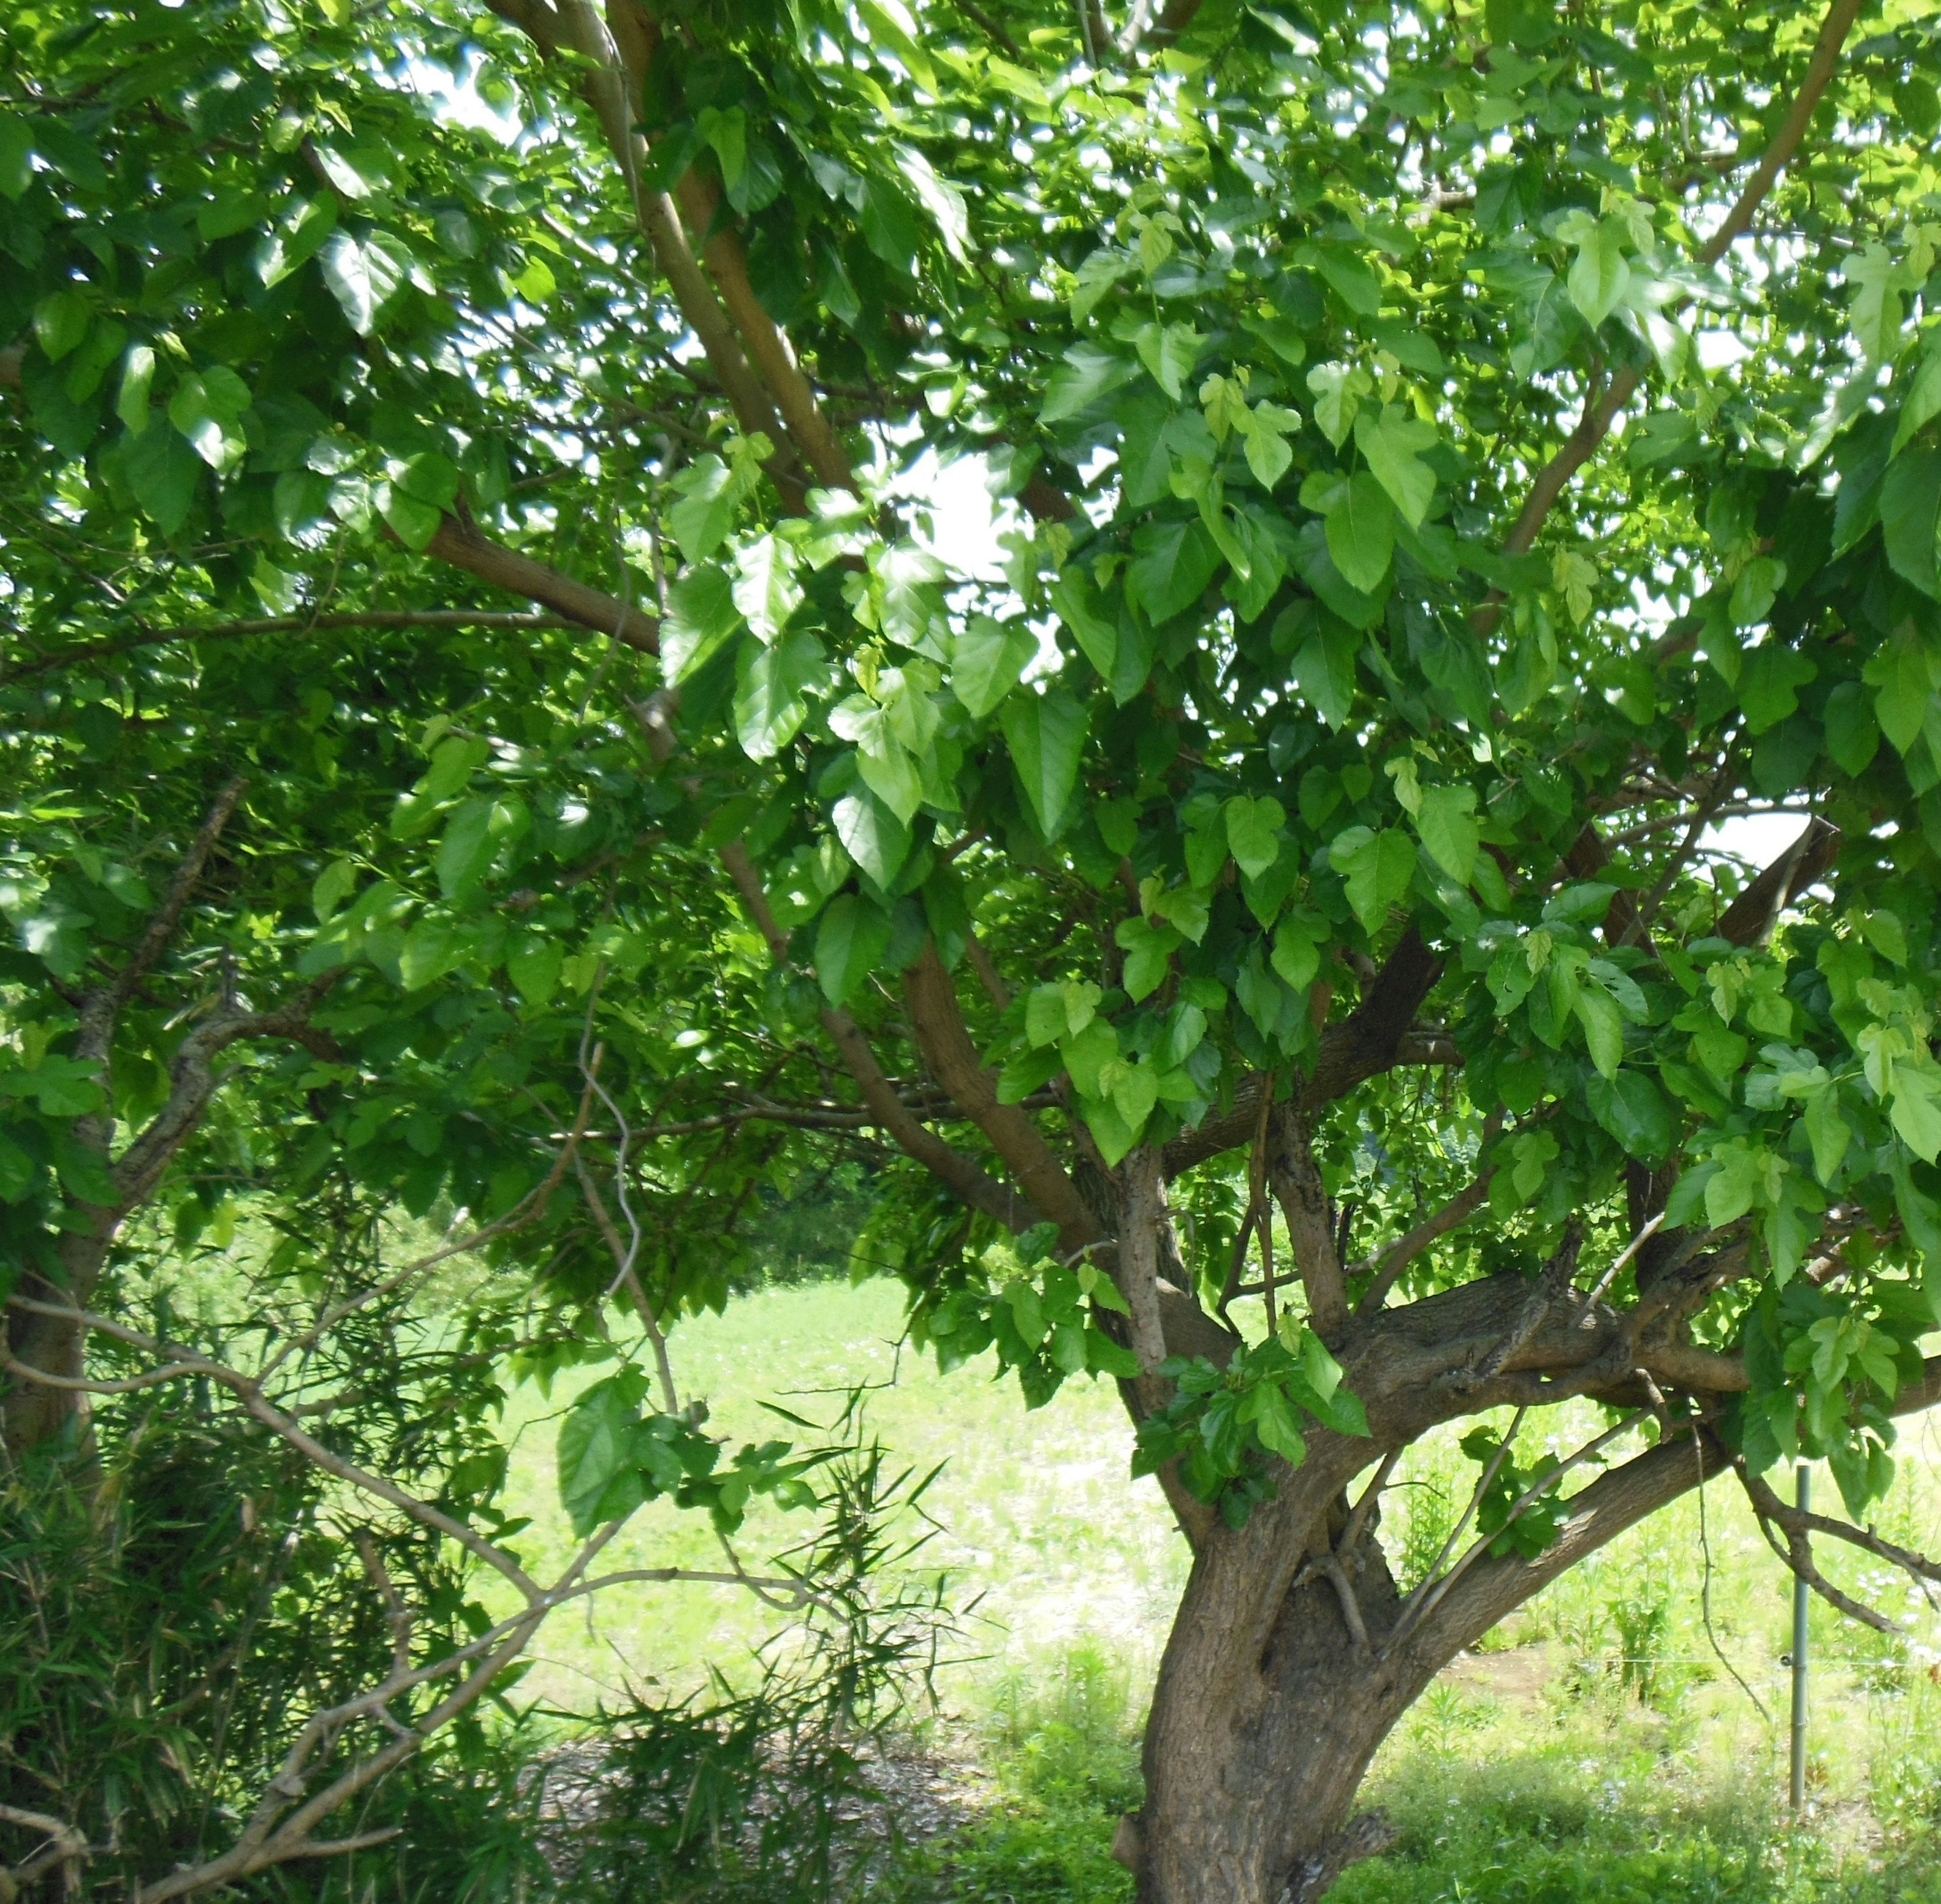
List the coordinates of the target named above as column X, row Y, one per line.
column 1595, row 1748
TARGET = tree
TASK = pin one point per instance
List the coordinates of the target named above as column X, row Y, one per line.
column 1452, row 460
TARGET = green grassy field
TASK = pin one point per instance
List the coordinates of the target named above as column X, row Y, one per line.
column 1595, row 1747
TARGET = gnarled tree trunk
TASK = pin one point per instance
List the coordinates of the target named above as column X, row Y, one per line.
column 1271, row 1705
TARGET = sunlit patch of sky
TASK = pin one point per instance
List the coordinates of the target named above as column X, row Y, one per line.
column 454, row 97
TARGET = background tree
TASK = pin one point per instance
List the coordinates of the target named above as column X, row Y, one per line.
column 1305, row 847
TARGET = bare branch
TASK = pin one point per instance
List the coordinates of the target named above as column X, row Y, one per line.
column 1414, row 1614
column 1796, row 1551
column 1303, row 1198
column 167, row 917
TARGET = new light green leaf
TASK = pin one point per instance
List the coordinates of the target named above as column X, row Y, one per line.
column 1253, row 832
column 1598, row 276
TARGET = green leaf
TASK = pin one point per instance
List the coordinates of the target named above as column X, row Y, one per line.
column 711, row 492
column 1080, row 608
column 466, row 849
column 1323, row 668
column 1134, row 1091
column 360, row 277
column 1910, row 506
column 62, row 1086
column 413, row 523
column 1899, row 672
column 595, row 1452
column 1253, row 832
column 163, row 471
column 850, row 941
column 1349, row 277
column 1376, row 868
column 1274, row 1423
column 332, row 886
column 771, row 697
column 1632, row 1107
column 19, row 1173
column 1921, row 403
column 1599, row 275
column 1087, row 374
column 1852, row 734
column 1603, row 1028
column 700, row 616
column 1916, row 1116
column 1360, row 531
column 1828, row 1132
column 1392, row 445
column 1046, row 734
column 138, row 373
column 74, row 156
column 1338, row 390
column 1169, row 353
column 871, row 835
column 1447, row 824
column 16, row 146
column 61, row 321
column 1175, row 562
column 1874, row 308
column 886, row 29
column 1149, row 950
column 987, row 660
column 533, row 965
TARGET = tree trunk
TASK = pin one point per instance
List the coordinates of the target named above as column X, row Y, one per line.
column 1268, row 1709
column 1270, row 1703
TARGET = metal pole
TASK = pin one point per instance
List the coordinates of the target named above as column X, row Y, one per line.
column 1803, row 1495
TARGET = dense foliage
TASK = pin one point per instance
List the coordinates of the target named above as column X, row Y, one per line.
column 1447, row 460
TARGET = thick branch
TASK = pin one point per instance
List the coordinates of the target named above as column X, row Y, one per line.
column 728, row 265
column 1615, row 1501
column 938, row 1022
column 1753, row 915
column 974, row 1186
column 465, row 546
column 610, row 88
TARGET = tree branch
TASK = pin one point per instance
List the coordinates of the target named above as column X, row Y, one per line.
column 1303, row 1198
column 225, row 631
column 464, row 545
column 890, row 1114
column 942, row 1036
column 1600, row 410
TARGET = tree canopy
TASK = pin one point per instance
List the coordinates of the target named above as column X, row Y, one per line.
column 498, row 738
